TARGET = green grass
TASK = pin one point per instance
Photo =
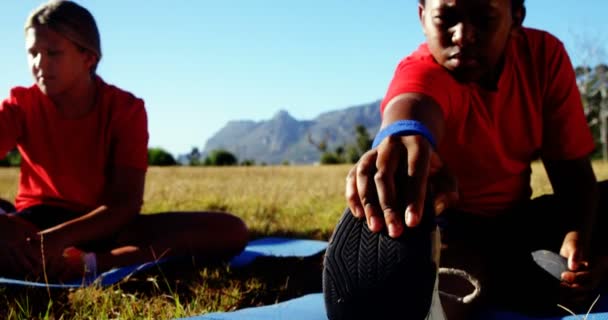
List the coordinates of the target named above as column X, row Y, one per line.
column 301, row 201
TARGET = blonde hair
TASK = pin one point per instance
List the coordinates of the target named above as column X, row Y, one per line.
column 71, row 21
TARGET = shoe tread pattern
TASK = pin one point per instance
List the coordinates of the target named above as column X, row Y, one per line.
column 372, row 276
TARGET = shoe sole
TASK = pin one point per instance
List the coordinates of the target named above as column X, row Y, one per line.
column 373, row 276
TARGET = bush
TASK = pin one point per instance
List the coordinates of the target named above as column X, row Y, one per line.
column 330, row 158
column 12, row 159
column 220, row 157
column 248, row 162
column 160, row 157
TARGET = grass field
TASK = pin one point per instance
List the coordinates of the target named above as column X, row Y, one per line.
column 299, row 201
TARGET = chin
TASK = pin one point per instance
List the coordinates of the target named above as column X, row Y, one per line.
column 47, row 90
column 465, row 75
column 43, row 88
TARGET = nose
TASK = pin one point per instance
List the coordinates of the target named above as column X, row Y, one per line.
column 39, row 61
column 463, row 33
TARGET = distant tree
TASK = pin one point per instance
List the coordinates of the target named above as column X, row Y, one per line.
column 352, row 154
column 248, row 162
column 593, row 87
column 364, row 142
column 339, row 151
column 12, row 159
column 347, row 153
column 194, row 157
column 285, row 163
column 160, row 157
column 221, row 157
column 321, row 145
column 330, row 158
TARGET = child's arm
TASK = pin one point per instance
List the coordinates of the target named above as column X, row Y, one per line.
column 574, row 184
column 123, row 200
column 371, row 188
column 10, row 125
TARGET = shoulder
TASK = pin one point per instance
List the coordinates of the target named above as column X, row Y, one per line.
column 119, row 100
column 24, row 97
column 420, row 73
column 537, row 36
column 420, row 68
column 541, row 43
column 422, row 61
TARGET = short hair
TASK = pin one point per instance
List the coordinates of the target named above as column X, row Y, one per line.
column 71, row 21
column 515, row 4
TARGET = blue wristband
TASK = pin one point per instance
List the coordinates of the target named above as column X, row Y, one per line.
column 405, row 128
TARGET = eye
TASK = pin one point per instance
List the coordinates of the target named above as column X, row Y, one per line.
column 485, row 20
column 445, row 20
column 53, row 52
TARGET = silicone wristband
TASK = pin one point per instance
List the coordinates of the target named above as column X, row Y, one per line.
column 405, row 128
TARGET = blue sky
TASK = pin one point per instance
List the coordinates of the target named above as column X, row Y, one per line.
column 201, row 63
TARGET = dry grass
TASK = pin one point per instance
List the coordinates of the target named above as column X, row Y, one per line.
column 540, row 182
column 302, row 201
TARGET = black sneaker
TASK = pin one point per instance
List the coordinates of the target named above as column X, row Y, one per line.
column 373, row 276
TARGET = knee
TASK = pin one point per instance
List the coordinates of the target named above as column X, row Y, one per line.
column 237, row 232
column 6, row 206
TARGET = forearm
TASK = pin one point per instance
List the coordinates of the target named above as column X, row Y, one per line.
column 413, row 106
column 575, row 187
column 100, row 223
column 585, row 200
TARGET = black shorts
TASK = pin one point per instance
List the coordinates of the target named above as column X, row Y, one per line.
column 44, row 216
column 498, row 250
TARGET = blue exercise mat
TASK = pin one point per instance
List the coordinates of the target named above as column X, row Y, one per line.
column 308, row 307
column 265, row 247
column 311, row 307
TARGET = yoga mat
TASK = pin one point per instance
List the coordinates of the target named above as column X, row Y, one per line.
column 311, row 307
column 264, row 247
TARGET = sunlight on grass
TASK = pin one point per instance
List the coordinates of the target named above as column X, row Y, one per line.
column 270, row 199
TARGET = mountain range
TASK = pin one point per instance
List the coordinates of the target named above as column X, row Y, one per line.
column 286, row 139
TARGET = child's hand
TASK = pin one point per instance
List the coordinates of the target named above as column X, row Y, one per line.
column 371, row 185
column 579, row 280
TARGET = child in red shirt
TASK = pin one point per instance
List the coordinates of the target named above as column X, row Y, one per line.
column 490, row 96
column 84, row 145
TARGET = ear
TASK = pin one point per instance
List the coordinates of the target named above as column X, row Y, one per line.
column 421, row 13
column 518, row 17
column 91, row 59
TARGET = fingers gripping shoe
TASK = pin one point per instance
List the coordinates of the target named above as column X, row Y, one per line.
column 372, row 276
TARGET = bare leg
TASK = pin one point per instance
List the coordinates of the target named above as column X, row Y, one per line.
column 212, row 235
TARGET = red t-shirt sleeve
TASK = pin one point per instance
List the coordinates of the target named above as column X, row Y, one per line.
column 11, row 119
column 130, row 135
column 418, row 73
column 566, row 134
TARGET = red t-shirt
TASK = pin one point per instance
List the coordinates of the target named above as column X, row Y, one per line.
column 491, row 137
column 65, row 161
